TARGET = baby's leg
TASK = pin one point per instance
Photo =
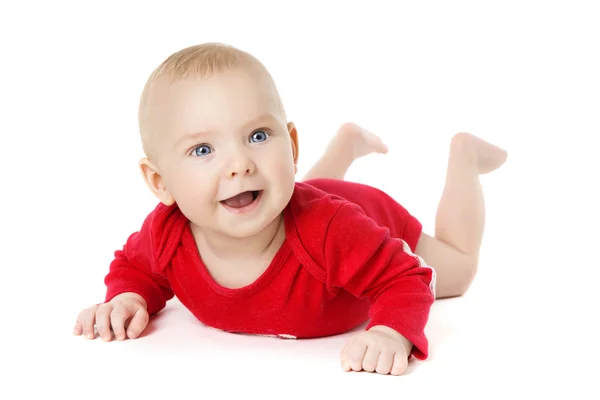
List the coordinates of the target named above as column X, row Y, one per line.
column 350, row 142
column 460, row 218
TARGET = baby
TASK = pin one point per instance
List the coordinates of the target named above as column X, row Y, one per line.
column 248, row 249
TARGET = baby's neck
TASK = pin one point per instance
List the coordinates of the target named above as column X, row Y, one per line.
column 227, row 248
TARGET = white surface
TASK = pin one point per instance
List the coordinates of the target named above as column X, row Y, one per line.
column 523, row 75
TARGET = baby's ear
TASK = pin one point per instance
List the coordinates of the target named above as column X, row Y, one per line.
column 294, row 137
column 155, row 182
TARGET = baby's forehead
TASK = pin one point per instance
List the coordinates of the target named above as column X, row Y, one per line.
column 191, row 102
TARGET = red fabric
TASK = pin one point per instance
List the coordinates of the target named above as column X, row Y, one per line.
column 347, row 259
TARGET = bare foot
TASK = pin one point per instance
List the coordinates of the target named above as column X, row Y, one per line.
column 358, row 140
column 487, row 156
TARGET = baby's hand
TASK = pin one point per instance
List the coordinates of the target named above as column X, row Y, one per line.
column 115, row 314
column 380, row 349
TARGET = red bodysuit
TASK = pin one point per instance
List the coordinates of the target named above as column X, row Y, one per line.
column 347, row 259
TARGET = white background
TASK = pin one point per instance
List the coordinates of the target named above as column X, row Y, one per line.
column 523, row 75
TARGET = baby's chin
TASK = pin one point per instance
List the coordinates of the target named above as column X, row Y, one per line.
column 254, row 227
column 241, row 228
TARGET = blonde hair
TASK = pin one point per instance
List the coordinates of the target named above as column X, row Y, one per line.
column 200, row 60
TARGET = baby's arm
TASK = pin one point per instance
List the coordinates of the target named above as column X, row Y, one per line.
column 364, row 260
column 136, row 289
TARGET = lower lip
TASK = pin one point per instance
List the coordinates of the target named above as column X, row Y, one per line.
column 250, row 207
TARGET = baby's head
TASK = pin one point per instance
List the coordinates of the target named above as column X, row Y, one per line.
column 213, row 127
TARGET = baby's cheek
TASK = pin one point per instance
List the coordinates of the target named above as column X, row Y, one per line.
column 284, row 172
column 194, row 196
column 285, row 181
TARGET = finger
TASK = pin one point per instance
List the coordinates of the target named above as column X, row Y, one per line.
column 369, row 361
column 138, row 323
column 78, row 330
column 345, row 356
column 356, row 352
column 385, row 362
column 89, row 318
column 118, row 317
column 103, row 321
column 400, row 363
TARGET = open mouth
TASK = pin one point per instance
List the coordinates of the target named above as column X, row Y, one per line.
column 242, row 200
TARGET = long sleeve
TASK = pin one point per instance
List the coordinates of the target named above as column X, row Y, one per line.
column 361, row 258
column 135, row 268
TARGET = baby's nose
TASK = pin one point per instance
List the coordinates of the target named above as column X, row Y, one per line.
column 241, row 167
column 236, row 172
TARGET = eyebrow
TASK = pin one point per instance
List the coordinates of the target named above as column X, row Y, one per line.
column 192, row 137
column 262, row 119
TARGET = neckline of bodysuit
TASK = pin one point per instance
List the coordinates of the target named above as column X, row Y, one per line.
column 263, row 279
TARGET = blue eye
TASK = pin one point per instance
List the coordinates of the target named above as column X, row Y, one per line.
column 259, row 136
column 201, row 150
